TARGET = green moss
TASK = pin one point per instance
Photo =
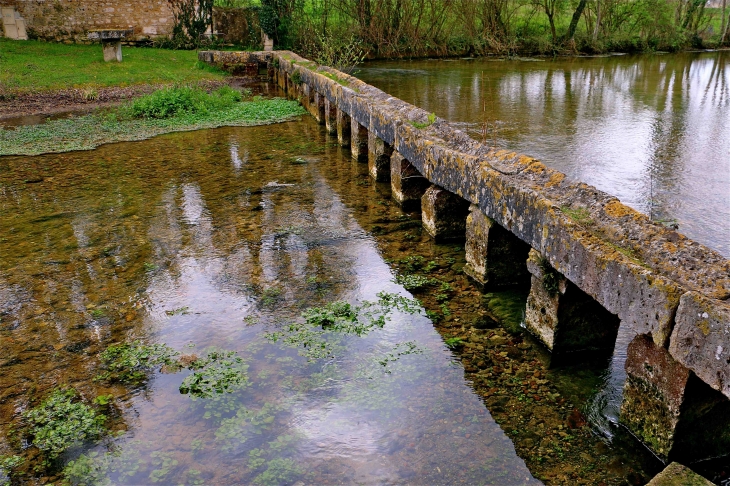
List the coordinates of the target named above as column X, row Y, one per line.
column 508, row 307
column 550, row 277
column 430, row 120
column 62, row 421
column 579, row 215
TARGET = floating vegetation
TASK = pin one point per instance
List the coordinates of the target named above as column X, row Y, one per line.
column 131, row 362
column 413, row 282
column 7, row 465
column 178, row 312
column 340, row 318
column 400, row 349
column 62, row 421
column 216, row 373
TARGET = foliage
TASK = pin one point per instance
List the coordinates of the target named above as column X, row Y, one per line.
column 192, row 19
column 61, row 421
column 430, row 120
column 218, row 372
column 7, row 464
column 90, row 131
column 168, row 102
column 131, row 362
column 341, row 53
column 79, row 67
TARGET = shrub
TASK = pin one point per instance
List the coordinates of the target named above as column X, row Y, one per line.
column 168, row 102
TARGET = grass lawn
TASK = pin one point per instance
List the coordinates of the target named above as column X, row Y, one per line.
column 34, row 65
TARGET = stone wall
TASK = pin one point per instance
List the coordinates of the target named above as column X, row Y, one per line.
column 69, row 20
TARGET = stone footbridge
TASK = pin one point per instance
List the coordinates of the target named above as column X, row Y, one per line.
column 592, row 263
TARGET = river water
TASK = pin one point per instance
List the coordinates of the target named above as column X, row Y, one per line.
column 215, row 240
column 653, row 130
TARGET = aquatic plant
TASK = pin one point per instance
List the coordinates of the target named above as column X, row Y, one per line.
column 340, row 317
column 61, row 421
column 508, row 307
column 400, row 349
column 7, row 465
column 131, row 362
column 217, row 372
column 280, row 470
column 454, row 342
column 413, row 282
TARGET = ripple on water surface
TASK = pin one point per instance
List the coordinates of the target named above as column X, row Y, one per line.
column 217, row 238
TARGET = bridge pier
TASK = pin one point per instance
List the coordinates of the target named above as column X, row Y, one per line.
column 379, row 158
column 669, row 409
column 344, row 125
column 444, row 214
column 330, row 116
column 562, row 316
column 494, row 256
column 359, row 141
column 407, row 184
column 319, row 108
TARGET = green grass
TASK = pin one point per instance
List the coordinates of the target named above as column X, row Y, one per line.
column 90, row 131
column 34, row 65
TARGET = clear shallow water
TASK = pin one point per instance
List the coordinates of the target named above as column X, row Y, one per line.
column 653, row 130
column 215, row 238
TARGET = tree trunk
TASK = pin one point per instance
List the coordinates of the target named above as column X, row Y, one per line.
column 723, row 26
column 598, row 20
column 576, row 17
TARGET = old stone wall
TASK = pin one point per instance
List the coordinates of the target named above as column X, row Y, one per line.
column 69, row 20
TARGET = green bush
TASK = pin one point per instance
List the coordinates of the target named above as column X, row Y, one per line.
column 168, row 102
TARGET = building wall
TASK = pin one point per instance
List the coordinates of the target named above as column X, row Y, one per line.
column 69, row 20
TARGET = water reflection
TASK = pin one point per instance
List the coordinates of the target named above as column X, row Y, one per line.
column 172, row 240
column 652, row 130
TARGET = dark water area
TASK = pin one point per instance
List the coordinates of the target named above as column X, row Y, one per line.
column 218, row 238
column 653, row 130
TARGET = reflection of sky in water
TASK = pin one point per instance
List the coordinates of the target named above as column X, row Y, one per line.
column 188, row 252
column 652, row 130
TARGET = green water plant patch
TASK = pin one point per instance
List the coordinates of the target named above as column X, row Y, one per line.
column 132, row 362
column 61, row 421
column 165, row 111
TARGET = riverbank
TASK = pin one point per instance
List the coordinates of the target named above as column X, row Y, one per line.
column 87, row 132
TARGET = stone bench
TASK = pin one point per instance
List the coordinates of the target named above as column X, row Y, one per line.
column 111, row 41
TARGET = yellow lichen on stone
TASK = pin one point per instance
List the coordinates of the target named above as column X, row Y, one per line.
column 555, row 179
column 704, row 326
column 616, row 209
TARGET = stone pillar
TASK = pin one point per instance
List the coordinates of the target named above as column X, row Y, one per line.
column 495, row 258
column 669, row 409
column 343, row 128
column 379, row 158
column 359, row 142
column 407, row 184
column 112, row 50
column 330, row 116
column 444, row 214
column 319, row 107
column 267, row 41
column 562, row 316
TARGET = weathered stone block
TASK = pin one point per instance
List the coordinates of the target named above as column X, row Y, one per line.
column 112, row 51
column 407, row 184
column 379, row 158
column 653, row 394
column 563, row 317
column 344, row 125
column 318, row 107
column 444, row 214
column 359, row 141
column 330, row 116
column 701, row 339
column 495, row 257
column 676, row 474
